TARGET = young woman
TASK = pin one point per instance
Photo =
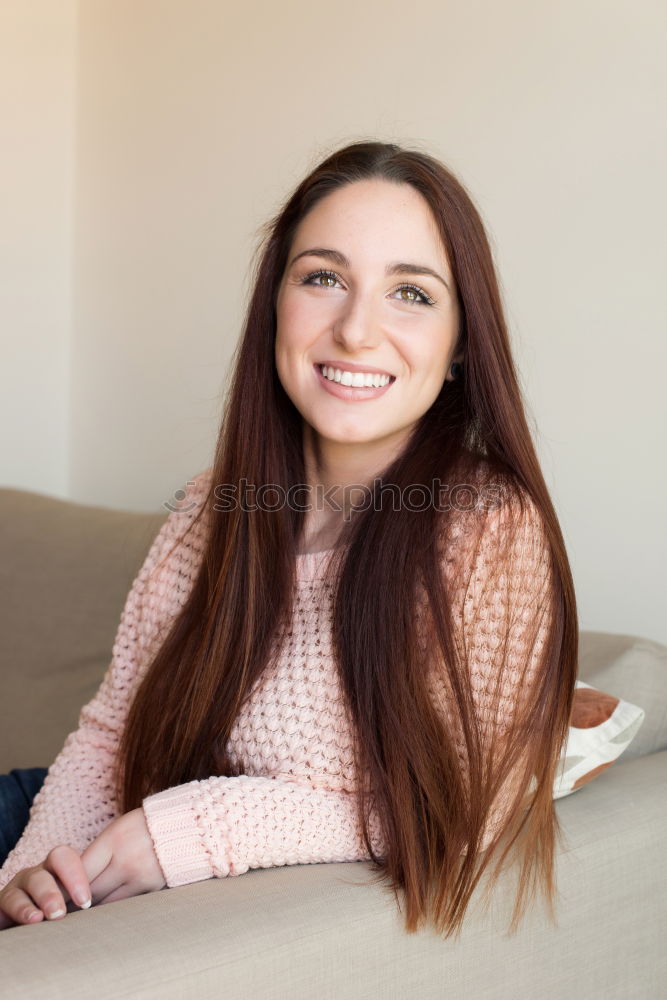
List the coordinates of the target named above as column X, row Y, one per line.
column 358, row 638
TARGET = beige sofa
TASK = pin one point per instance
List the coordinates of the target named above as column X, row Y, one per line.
column 313, row 931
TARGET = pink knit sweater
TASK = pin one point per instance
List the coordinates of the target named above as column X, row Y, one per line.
column 294, row 803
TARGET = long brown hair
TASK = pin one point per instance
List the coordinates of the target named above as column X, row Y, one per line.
column 434, row 805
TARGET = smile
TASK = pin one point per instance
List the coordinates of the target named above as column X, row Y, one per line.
column 356, row 379
column 353, row 385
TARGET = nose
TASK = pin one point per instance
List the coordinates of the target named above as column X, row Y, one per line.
column 356, row 327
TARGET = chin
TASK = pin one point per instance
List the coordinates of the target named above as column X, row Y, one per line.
column 351, row 437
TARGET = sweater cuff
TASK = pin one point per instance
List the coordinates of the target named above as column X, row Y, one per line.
column 185, row 850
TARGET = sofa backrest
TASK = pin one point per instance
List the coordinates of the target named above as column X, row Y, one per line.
column 65, row 572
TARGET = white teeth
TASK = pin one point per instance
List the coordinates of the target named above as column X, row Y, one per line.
column 354, row 378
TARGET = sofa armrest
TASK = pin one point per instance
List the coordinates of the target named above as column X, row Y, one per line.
column 319, row 930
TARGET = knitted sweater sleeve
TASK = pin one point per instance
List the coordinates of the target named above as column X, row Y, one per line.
column 223, row 826
column 77, row 800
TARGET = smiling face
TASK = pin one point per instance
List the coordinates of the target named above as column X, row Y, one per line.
column 345, row 303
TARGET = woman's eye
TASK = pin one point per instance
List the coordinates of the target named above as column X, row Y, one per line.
column 309, row 279
column 417, row 295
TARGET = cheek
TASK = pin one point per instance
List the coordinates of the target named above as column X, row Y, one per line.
column 287, row 353
column 437, row 354
column 294, row 326
column 426, row 361
column 283, row 366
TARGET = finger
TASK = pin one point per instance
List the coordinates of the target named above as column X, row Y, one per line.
column 18, row 906
column 44, row 890
column 97, row 860
column 97, row 857
column 66, row 864
column 109, row 881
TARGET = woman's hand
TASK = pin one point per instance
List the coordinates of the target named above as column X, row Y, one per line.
column 121, row 862
column 45, row 889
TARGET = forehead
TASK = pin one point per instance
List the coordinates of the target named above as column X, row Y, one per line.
column 372, row 218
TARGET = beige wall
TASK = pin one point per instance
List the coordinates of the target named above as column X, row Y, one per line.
column 37, row 126
column 128, row 224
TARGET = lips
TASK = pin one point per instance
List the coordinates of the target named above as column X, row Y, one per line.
column 351, row 393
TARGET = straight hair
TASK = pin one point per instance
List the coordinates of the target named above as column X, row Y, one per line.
column 394, row 615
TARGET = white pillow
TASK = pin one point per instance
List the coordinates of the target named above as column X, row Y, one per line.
column 601, row 727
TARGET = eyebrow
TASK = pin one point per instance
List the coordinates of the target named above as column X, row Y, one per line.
column 397, row 267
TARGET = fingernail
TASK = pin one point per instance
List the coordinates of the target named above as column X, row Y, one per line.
column 82, row 900
column 53, row 914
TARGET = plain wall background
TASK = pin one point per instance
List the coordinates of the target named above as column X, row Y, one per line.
column 143, row 145
column 37, row 208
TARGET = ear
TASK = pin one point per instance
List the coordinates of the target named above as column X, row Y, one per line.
column 455, row 357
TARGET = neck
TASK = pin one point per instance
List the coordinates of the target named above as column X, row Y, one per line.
column 337, row 473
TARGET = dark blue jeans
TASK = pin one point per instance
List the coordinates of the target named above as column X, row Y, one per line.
column 17, row 790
